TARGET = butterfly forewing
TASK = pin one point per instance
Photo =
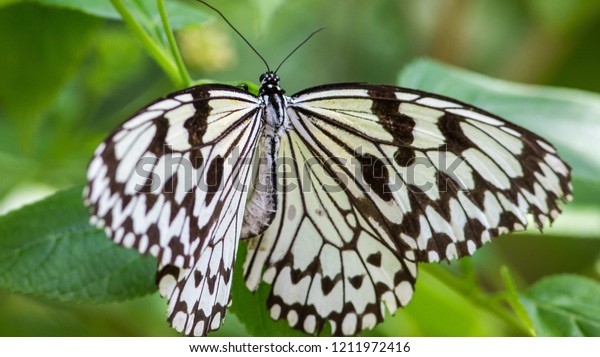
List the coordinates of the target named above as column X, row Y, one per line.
column 446, row 176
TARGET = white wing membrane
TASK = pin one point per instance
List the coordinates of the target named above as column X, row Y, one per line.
column 466, row 174
column 327, row 260
column 172, row 182
column 381, row 178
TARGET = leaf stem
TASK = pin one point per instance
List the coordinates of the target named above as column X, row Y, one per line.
column 184, row 76
column 511, row 296
column 486, row 302
column 155, row 50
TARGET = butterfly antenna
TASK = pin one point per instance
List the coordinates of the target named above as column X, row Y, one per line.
column 234, row 29
column 297, row 47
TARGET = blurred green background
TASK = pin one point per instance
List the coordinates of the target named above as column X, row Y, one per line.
column 71, row 71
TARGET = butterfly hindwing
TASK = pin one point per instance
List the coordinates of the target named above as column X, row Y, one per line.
column 326, row 259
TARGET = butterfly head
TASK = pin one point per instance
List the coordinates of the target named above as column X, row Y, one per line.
column 269, row 84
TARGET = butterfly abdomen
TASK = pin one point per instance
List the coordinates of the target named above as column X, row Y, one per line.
column 260, row 209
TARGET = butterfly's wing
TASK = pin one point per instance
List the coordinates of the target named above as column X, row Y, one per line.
column 172, row 182
column 324, row 253
column 381, row 178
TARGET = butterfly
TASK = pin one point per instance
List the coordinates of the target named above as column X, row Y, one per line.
column 339, row 191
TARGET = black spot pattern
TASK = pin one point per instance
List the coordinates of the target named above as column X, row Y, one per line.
column 376, row 175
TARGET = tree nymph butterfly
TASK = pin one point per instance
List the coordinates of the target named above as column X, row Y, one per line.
column 339, row 191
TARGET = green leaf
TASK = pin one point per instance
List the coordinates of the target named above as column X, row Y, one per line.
column 569, row 119
column 564, row 305
column 181, row 14
column 251, row 307
column 101, row 8
column 48, row 249
column 43, row 48
column 577, row 222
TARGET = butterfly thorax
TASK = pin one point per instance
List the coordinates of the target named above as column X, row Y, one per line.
column 262, row 205
column 273, row 100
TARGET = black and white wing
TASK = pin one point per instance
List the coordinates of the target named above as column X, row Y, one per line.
column 375, row 179
column 172, row 182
